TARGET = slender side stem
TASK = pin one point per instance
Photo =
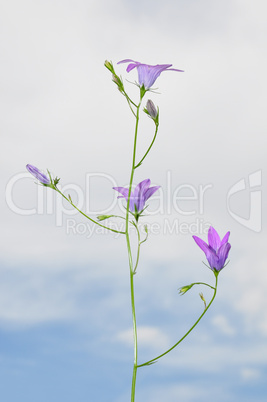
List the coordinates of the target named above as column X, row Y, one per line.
column 138, row 251
column 138, row 247
column 206, row 284
column 150, row 146
column 130, row 256
column 188, row 332
column 86, row 216
column 130, row 102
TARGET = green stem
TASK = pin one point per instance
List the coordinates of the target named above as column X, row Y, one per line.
column 188, row 332
column 139, row 163
column 139, row 245
column 88, row 217
column 130, row 256
column 138, row 249
column 135, row 337
column 203, row 283
column 129, row 103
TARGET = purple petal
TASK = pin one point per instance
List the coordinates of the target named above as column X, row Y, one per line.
column 38, row 174
column 143, row 185
column 213, row 260
column 147, row 74
column 124, row 191
column 225, row 239
column 126, row 61
column 150, row 191
column 204, row 247
column 223, row 254
column 214, row 239
column 131, row 66
column 138, row 194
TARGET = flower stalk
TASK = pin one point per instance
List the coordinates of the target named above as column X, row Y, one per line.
column 190, row 330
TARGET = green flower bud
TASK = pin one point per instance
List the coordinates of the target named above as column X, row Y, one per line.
column 109, row 66
column 185, row 289
column 103, row 217
column 118, row 82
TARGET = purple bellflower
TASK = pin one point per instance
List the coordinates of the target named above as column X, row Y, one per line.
column 42, row 178
column 147, row 74
column 217, row 250
column 139, row 196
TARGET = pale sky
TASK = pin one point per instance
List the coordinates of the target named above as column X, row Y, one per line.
column 59, row 276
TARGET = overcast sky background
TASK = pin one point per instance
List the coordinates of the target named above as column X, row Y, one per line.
column 65, row 319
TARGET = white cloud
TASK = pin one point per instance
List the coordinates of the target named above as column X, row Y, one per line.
column 250, row 374
column 223, row 325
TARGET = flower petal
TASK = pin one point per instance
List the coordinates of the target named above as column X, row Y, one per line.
column 150, row 191
column 126, row 61
column 213, row 260
column 203, row 245
column 223, row 254
column 124, row 191
column 147, row 74
column 214, row 239
column 138, row 194
column 225, row 239
column 131, row 66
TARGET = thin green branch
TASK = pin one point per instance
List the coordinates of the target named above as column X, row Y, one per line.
column 188, row 332
column 86, row 216
column 149, row 148
column 203, row 283
column 139, row 245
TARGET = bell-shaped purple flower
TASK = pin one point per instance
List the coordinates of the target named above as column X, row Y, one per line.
column 138, row 197
column 42, row 178
column 147, row 74
column 217, row 250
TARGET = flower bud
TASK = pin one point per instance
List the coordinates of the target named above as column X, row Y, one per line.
column 151, row 109
column 185, row 289
column 109, row 66
column 41, row 177
column 118, row 82
column 103, row 217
